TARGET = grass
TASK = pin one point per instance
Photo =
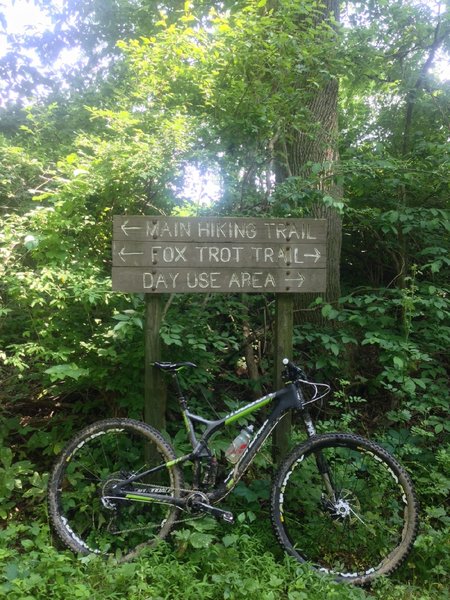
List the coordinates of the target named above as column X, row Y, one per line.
column 204, row 561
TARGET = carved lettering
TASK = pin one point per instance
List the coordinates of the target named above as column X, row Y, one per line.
column 297, row 255
column 159, row 254
column 227, row 230
column 253, row 280
column 234, row 280
column 192, row 280
column 214, row 283
column 288, row 231
column 203, row 280
column 154, row 282
column 226, row 254
column 268, row 254
column 174, row 254
column 185, row 229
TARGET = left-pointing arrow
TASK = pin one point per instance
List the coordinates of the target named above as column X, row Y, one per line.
column 123, row 254
column 125, row 229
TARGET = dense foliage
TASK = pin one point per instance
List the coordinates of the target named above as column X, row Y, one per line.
column 219, row 91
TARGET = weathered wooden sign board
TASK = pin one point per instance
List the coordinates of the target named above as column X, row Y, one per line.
column 158, row 255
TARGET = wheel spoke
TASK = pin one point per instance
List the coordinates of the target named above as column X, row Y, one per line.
column 87, row 511
column 358, row 517
column 352, row 529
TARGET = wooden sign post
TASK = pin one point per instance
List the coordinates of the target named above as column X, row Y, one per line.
column 154, row 412
column 163, row 255
column 284, row 326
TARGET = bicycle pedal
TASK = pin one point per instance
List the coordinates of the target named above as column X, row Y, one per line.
column 224, row 515
column 228, row 517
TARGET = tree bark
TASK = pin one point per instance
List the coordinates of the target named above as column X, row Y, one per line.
column 318, row 144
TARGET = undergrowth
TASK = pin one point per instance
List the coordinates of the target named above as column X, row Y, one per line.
column 217, row 563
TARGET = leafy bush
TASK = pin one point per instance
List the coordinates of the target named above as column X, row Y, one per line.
column 224, row 566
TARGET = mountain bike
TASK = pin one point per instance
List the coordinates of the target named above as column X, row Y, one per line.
column 338, row 501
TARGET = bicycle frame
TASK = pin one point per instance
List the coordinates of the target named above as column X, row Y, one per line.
column 288, row 398
column 118, row 493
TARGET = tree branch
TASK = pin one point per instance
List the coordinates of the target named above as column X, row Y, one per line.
column 412, row 94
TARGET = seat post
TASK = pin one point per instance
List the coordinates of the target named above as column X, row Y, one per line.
column 184, row 407
column 181, row 397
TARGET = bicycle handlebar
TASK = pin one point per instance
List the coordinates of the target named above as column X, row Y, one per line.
column 292, row 371
column 297, row 376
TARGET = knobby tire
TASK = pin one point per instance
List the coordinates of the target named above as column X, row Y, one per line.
column 356, row 522
column 84, row 512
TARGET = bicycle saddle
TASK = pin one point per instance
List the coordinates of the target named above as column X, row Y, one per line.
column 169, row 366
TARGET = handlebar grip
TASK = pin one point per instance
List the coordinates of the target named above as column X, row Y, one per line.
column 293, row 371
column 290, row 365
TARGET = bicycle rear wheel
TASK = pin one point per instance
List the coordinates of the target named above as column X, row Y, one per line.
column 82, row 507
column 345, row 505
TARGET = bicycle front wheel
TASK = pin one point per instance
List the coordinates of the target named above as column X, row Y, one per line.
column 345, row 505
column 83, row 509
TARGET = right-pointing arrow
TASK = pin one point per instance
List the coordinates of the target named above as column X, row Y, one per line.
column 316, row 255
column 299, row 279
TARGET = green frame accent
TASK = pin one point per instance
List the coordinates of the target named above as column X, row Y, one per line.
column 171, row 463
column 186, row 420
column 140, row 498
column 246, row 410
column 285, row 398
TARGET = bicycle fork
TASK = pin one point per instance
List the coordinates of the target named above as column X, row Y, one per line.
column 321, row 461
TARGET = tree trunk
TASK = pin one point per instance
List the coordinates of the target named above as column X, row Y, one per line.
column 318, row 144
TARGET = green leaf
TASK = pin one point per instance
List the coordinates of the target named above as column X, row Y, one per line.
column 201, row 540
column 64, row 371
column 11, row 571
column 399, row 362
column 409, row 386
column 230, row 540
column 335, row 349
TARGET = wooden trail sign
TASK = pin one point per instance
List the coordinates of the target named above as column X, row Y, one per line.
column 158, row 255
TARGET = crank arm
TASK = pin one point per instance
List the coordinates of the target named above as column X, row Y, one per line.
column 224, row 515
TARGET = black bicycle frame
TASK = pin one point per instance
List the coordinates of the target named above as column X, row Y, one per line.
column 288, row 398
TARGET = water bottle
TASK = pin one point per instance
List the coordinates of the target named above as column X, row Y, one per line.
column 237, row 447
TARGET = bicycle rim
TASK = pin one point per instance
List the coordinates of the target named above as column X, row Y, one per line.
column 361, row 526
column 86, row 513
